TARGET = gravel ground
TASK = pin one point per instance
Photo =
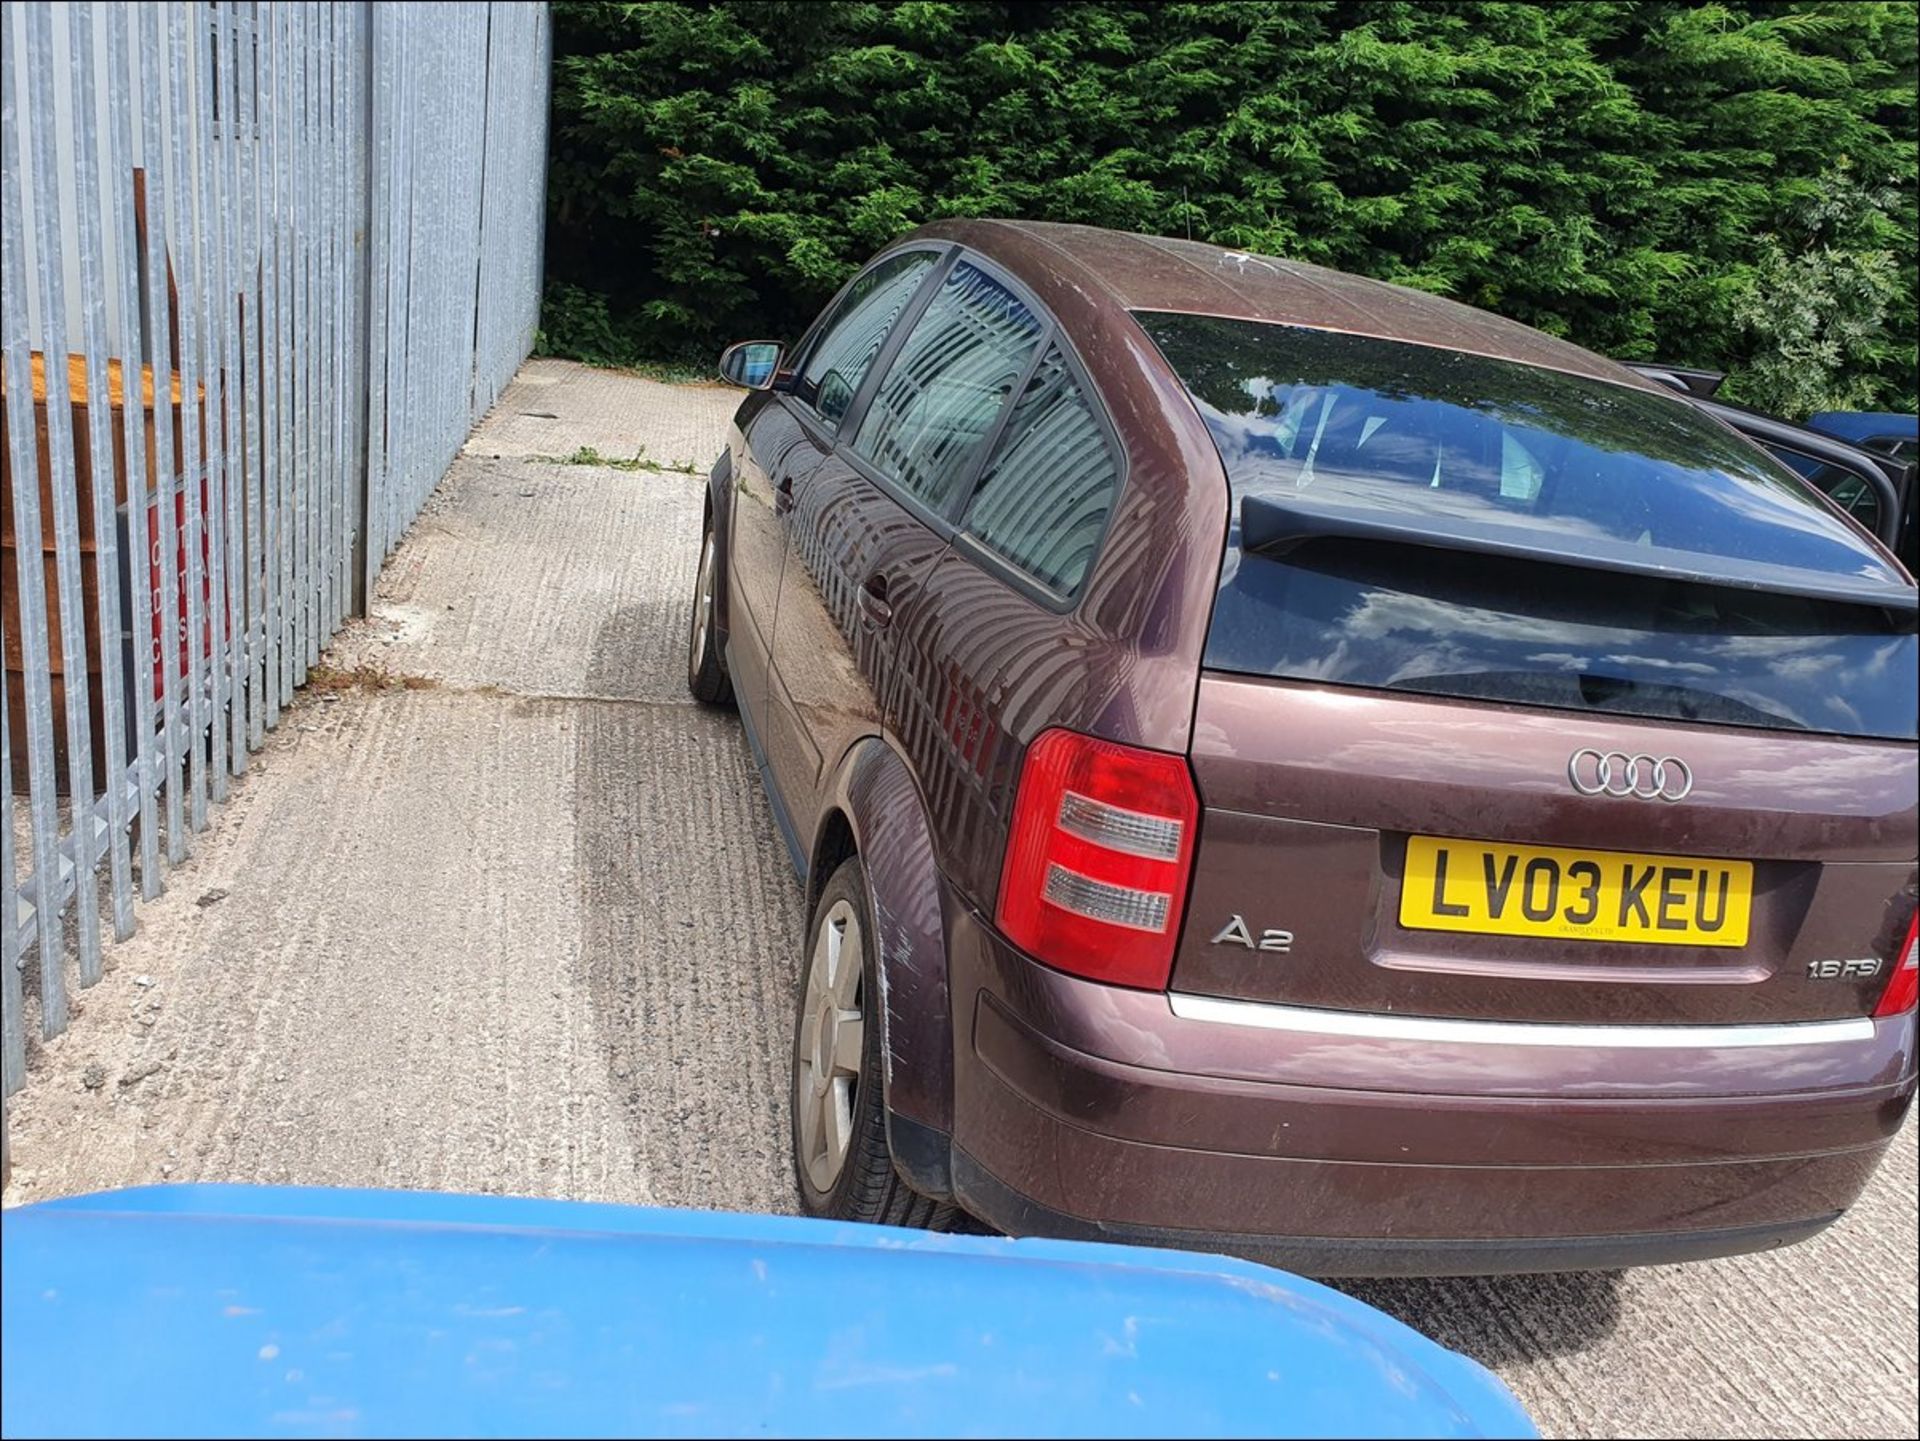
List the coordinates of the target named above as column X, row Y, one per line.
column 502, row 911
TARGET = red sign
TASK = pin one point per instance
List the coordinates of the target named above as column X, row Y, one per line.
column 183, row 666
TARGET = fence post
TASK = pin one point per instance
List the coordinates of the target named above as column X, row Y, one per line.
column 360, row 491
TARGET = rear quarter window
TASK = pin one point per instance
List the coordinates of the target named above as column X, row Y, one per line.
column 1043, row 500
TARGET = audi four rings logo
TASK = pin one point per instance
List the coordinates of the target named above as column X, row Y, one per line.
column 1647, row 778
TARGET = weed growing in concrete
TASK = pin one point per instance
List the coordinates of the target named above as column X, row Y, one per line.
column 587, row 455
column 639, row 460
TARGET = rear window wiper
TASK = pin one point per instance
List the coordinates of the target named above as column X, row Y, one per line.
column 1277, row 527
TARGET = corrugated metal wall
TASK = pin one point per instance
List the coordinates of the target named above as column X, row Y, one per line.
column 264, row 266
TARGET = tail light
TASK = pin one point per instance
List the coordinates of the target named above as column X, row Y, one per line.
column 1904, row 983
column 1098, row 858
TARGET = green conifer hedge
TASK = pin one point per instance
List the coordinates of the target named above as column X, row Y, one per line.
column 1723, row 184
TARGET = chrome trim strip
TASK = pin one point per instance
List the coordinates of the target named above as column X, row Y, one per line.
column 1313, row 1022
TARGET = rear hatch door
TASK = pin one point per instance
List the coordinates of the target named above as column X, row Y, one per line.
column 1535, row 695
column 1432, row 856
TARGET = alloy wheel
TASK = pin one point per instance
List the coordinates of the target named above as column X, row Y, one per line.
column 702, row 608
column 832, row 1041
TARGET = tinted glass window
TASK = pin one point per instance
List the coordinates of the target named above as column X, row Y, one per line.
column 1412, row 439
column 1043, row 500
column 937, row 404
column 847, row 344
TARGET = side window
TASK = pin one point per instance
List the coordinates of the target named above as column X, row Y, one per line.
column 1044, row 498
column 1851, row 494
column 939, row 399
column 853, row 335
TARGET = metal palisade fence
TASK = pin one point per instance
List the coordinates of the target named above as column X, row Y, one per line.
column 264, row 266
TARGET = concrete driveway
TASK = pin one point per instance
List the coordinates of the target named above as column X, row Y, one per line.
column 499, row 909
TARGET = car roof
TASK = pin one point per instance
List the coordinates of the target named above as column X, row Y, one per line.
column 1150, row 272
column 1859, row 425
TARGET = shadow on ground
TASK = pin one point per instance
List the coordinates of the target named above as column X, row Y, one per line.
column 1500, row 1320
column 690, row 931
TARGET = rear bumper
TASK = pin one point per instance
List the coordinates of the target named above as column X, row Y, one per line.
column 1082, row 1109
column 985, row 1196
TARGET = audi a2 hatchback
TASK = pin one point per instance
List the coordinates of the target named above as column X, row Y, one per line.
column 1287, row 764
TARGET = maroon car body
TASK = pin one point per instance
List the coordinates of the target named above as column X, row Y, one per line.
column 1370, row 1096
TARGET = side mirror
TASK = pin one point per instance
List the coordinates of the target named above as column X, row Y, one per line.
column 751, row 363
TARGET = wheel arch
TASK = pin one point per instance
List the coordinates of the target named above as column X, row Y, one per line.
column 717, row 512
column 875, row 810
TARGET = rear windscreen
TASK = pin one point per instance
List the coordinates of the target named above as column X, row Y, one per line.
column 1423, row 436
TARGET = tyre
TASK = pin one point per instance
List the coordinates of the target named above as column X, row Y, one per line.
column 840, row 1156
column 706, row 665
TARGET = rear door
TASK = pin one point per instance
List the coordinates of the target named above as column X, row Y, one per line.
column 1532, row 697
column 869, row 524
column 1342, row 830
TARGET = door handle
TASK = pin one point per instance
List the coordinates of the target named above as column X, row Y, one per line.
column 873, row 600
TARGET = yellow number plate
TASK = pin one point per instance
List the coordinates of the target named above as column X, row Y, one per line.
column 1574, row 895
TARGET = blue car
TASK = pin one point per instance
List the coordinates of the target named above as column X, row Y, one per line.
column 1884, row 432
column 243, row 1311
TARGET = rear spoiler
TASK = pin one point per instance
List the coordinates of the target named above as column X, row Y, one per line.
column 1275, row 527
